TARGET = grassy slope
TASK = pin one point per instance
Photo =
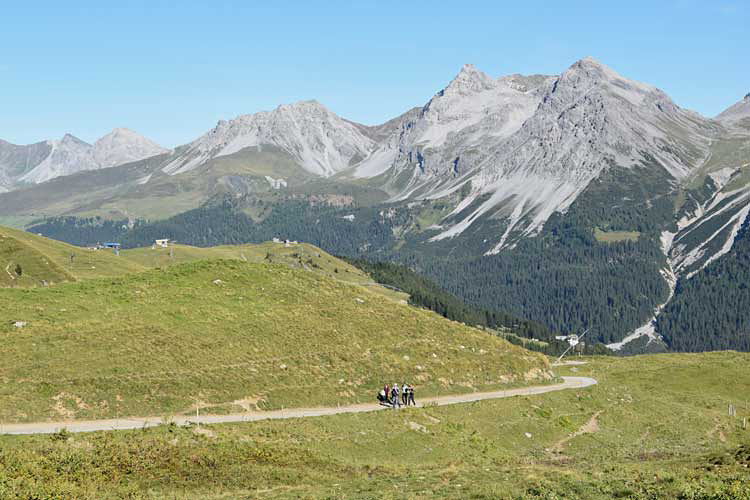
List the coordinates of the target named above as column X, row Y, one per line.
column 661, row 431
column 298, row 256
column 118, row 192
column 615, row 236
column 86, row 263
column 67, row 193
column 23, row 266
column 103, row 263
column 164, row 340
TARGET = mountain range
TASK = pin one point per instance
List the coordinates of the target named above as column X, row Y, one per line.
column 42, row 161
column 487, row 173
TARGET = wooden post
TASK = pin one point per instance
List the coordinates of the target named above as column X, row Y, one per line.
column 744, row 423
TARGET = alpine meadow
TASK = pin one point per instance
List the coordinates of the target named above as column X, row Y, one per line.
column 525, row 278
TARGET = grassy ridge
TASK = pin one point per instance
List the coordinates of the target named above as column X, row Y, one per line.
column 18, row 246
column 85, row 263
column 228, row 335
column 22, row 266
column 654, row 427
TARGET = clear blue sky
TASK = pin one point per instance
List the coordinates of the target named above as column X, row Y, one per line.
column 171, row 73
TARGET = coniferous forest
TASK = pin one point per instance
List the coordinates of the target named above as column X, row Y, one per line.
column 563, row 280
column 711, row 310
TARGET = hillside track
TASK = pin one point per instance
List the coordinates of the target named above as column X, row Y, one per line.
column 143, row 422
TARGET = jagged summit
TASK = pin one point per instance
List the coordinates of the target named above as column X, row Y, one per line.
column 319, row 140
column 46, row 160
column 69, row 138
column 469, row 81
column 531, row 145
column 472, row 111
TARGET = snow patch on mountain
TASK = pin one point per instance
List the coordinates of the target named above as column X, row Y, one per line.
column 319, row 140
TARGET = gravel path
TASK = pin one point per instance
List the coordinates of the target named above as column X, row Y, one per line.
column 139, row 423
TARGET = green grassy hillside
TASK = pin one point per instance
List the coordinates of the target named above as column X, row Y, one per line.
column 226, row 335
column 23, row 266
column 655, row 427
column 46, row 259
column 84, row 264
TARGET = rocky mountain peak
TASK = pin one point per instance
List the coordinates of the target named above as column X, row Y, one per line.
column 122, row 132
column 70, row 155
column 306, row 106
column 588, row 74
column 737, row 113
column 70, row 139
column 469, row 81
column 123, row 145
column 320, row 141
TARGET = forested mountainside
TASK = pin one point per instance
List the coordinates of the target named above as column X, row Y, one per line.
column 426, row 293
column 710, row 310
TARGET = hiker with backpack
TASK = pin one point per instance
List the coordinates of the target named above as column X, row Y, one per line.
column 411, row 401
column 404, row 394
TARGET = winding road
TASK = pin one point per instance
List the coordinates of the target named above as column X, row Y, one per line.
column 141, row 422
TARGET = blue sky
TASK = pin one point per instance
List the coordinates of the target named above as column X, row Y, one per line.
column 171, row 73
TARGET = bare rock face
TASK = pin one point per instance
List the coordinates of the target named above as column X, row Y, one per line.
column 736, row 113
column 67, row 156
column 46, row 160
column 320, row 141
column 528, row 146
column 472, row 112
column 121, row 146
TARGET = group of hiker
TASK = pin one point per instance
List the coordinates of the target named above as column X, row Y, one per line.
column 395, row 396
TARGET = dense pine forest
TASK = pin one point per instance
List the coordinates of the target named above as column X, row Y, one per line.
column 84, row 231
column 568, row 285
column 711, row 311
column 425, row 293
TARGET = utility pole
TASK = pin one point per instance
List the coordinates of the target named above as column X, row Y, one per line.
column 572, row 345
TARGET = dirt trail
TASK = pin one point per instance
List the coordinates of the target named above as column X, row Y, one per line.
column 589, row 427
column 138, row 423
